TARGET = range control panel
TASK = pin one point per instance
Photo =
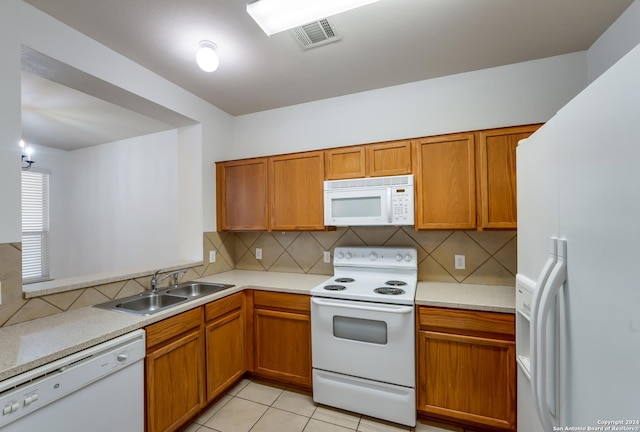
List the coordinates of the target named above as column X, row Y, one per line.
column 388, row 257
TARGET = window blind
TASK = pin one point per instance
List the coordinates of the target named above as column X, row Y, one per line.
column 35, row 226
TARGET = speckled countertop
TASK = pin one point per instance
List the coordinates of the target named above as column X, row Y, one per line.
column 33, row 343
column 493, row 298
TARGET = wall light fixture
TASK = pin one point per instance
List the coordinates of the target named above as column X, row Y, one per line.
column 26, row 156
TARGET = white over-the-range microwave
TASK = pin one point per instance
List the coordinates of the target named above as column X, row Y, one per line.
column 369, row 201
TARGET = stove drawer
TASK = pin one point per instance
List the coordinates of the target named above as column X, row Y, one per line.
column 362, row 339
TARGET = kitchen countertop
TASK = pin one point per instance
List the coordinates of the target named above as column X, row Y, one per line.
column 491, row 298
column 30, row 344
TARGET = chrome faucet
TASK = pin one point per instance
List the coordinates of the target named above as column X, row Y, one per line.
column 155, row 281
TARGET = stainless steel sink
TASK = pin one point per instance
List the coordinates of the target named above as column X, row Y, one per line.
column 197, row 289
column 148, row 303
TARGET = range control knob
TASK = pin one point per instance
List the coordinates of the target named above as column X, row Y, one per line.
column 348, row 255
column 373, row 256
column 399, row 257
column 408, row 257
column 340, row 255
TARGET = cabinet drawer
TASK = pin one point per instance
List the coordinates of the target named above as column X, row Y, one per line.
column 223, row 306
column 467, row 322
column 171, row 327
column 273, row 300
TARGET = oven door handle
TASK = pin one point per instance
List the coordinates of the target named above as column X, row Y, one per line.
column 352, row 305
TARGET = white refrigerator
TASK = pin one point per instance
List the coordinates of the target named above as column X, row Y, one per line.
column 578, row 283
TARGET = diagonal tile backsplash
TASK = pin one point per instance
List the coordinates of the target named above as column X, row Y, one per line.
column 490, row 260
column 490, row 255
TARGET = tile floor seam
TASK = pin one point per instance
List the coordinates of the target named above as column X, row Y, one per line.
column 257, row 421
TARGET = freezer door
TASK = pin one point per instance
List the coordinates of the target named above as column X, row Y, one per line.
column 599, row 215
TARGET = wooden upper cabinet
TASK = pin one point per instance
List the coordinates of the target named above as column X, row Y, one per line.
column 242, row 202
column 389, row 159
column 297, row 194
column 497, row 166
column 372, row 160
column 345, row 163
column 445, row 181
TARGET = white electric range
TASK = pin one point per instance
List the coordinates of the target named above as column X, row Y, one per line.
column 363, row 333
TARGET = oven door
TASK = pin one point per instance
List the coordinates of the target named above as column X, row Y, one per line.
column 362, row 339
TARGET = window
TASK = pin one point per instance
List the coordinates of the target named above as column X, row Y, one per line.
column 35, row 225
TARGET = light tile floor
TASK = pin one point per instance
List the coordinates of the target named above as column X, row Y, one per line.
column 255, row 406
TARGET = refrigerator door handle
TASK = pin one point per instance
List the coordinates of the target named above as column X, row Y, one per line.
column 555, row 282
column 535, row 304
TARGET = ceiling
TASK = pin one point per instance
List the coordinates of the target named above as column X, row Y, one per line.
column 386, row 43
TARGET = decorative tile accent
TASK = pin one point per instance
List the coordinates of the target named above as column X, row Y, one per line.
column 375, row 235
column 271, row 249
column 34, row 308
column 306, row 251
column 328, row 239
column 11, row 277
column 490, row 259
column 63, row 300
column 460, row 244
column 286, row 264
column 508, row 255
column 286, row 238
column 89, row 297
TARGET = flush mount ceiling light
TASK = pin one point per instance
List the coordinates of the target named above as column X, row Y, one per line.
column 207, row 58
column 274, row 16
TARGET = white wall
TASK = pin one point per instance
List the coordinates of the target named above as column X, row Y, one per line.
column 522, row 93
column 622, row 36
column 20, row 24
column 123, row 211
column 60, row 182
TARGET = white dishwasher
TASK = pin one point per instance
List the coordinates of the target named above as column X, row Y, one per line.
column 100, row 389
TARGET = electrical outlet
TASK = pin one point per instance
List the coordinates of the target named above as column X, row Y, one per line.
column 459, row 262
column 327, row 256
column 212, row 256
column 258, row 253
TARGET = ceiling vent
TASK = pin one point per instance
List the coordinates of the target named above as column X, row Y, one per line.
column 315, row 34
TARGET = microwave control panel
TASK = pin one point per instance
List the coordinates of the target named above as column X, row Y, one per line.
column 402, row 206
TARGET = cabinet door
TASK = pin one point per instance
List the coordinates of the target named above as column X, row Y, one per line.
column 389, row 158
column 174, row 383
column 242, row 195
column 345, row 163
column 283, row 346
column 224, row 343
column 444, row 167
column 297, row 199
column 497, row 150
column 468, row 379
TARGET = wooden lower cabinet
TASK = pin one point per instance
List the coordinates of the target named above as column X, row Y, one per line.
column 225, row 343
column 282, row 337
column 467, row 367
column 174, row 371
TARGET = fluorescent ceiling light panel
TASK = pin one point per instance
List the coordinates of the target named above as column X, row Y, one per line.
column 274, row 16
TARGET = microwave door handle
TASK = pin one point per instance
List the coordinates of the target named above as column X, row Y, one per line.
column 389, row 206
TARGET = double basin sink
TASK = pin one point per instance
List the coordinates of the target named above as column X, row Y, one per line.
column 149, row 303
